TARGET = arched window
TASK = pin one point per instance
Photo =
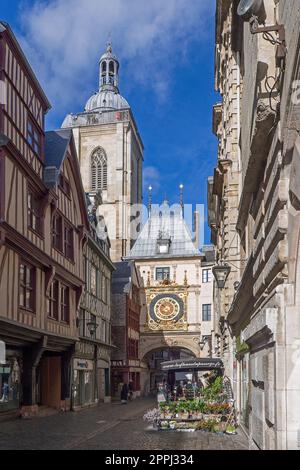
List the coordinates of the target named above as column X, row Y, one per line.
column 99, row 170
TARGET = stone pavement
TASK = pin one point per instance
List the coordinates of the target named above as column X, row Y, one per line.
column 108, row 427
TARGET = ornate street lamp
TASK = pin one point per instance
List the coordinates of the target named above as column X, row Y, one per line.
column 221, row 273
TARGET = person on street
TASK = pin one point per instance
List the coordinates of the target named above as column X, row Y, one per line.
column 130, row 391
column 124, row 394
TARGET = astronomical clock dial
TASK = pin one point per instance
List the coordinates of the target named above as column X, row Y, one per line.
column 166, row 308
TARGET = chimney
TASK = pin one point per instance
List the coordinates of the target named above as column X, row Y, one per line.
column 196, row 229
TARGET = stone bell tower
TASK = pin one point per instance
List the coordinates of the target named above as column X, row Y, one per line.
column 110, row 152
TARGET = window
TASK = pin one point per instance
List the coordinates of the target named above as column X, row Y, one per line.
column 82, row 323
column 27, row 287
column 99, row 170
column 133, row 349
column 206, row 276
column 57, row 233
column 33, row 137
column 206, row 312
column 104, row 293
column 99, row 284
column 162, row 274
column 64, row 304
column 59, row 302
column 53, row 301
column 63, row 237
column 93, row 281
column 33, row 210
column 68, row 242
column 163, row 246
column 64, row 185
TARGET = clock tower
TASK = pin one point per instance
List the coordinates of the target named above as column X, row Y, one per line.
column 177, row 319
column 110, row 153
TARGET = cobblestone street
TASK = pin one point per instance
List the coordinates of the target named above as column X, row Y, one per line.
column 108, row 427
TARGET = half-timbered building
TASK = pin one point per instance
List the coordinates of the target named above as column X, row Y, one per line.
column 92, row 359
column 43, row 229
column 126, row 310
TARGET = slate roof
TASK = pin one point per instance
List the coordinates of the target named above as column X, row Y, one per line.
column 121, row 277
column 56, row 146
column 167, row 223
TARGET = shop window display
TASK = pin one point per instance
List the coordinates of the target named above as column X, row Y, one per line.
column 9, row 385
column 83, row 387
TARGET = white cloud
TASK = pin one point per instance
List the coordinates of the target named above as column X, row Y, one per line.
column 65, row 38
column 152, row 178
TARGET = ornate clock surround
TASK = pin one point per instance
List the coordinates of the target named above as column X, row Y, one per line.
column 167, row 307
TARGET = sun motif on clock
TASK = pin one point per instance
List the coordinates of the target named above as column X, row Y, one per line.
column 166, row 308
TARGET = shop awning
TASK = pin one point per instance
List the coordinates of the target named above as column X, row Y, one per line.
column 193, row 364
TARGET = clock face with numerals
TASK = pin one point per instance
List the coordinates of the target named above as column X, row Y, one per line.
column 166, row 308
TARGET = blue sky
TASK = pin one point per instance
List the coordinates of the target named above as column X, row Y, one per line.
column 166, row 50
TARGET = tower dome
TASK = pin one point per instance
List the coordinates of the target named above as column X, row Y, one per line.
column 108, row 96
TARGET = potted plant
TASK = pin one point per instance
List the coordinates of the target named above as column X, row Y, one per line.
column 168, row 413
column 183, row 410
column 152, row 416
column 231, row 429
column 163, row 410
column 164, row 425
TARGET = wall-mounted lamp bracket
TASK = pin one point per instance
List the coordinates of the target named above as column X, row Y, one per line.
column 265, row 30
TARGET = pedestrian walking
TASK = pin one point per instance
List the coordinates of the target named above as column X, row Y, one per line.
column 124, row 394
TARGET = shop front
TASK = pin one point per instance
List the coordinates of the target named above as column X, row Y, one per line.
column 10, row 381
column 129, row 374
column 84, row 384
column 103, row 373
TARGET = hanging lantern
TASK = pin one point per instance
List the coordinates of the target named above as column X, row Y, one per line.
column 92, row 327
column 221, row 273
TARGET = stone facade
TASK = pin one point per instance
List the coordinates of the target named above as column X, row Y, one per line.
column 263, row 316
column 112, row 129
column 176, row 292
column 224, row 187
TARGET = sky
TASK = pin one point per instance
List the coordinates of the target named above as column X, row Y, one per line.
column 166, row 52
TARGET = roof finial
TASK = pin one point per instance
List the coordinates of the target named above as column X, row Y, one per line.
column 109, row 43
column 149, row 199
column 181, row 187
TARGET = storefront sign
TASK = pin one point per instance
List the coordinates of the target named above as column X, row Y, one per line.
column 2, row 353
column 117, row 363
column 198, row 364
column 102, row 364
column 83, row 364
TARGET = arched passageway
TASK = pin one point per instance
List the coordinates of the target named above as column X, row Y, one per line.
column 152, row 373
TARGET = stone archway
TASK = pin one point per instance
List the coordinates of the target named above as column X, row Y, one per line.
column 179, row 346
column 152, row 343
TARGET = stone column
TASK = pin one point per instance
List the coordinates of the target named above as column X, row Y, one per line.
column 31, row 359
column 66, row 371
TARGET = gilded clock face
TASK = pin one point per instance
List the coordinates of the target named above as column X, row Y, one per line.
column 166, row 308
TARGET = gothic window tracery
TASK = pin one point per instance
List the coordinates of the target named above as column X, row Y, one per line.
column 99, row 170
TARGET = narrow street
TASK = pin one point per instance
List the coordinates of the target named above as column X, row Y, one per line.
column 108, row 427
